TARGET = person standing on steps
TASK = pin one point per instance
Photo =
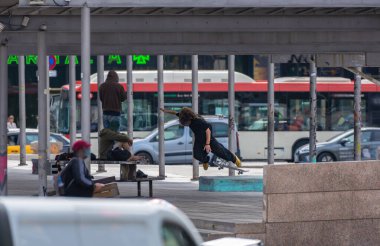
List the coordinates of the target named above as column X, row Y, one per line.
column 204, row 141
column 112, row 94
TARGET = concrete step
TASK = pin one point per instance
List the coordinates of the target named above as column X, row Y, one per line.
column 208, row 235
column 231, row 227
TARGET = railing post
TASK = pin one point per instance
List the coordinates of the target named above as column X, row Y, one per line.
column 357, row 118
column 161, row 121
column 72, row 101
column 3, row 120
column 195, row 94
column 270, row 112
column 313, row 113
column 85, row 64
column 231, row 108
column 42, row 115
column 100, row 71
column 22, row 110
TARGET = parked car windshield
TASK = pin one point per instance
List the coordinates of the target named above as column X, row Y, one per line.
column 340, row 136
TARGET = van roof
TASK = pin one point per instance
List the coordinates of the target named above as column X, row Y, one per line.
column 31, row 212
column 41, row 207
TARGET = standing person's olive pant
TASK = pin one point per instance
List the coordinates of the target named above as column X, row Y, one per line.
column 216, row 148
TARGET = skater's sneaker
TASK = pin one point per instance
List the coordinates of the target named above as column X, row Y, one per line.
column 237, row 161
column 205, row 166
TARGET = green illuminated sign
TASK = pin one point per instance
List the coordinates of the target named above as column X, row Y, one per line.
column 114, row 58
column 141, row 59
column 32, row 59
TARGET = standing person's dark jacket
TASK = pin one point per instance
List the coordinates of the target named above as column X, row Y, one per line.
column 112, row 94
column 77, row 180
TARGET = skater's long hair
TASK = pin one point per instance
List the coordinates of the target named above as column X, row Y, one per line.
column 186, row 115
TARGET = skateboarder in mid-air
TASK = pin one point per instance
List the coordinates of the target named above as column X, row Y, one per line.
column 204, row 141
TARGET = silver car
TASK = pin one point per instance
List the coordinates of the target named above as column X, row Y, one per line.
column 178, row 141
column 341, row 147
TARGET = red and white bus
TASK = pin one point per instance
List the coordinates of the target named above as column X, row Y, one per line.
column 335, row 106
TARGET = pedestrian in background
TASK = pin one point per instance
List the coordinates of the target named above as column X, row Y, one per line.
column 112, row 94
column 11, row 122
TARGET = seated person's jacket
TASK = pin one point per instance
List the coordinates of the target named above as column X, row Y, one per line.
column 77, row 179
column 107, row 138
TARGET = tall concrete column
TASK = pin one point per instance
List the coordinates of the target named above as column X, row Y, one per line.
column 357, row 118
column 100, row 71
column 3, row 120
column 231, row 108
column 270, row 149
column 130, row 95
column 195, row 95
column 22, row 110
column 85, row 65
column 72, row 101
column 313, row 113
column 161, row 121
column 42, row 114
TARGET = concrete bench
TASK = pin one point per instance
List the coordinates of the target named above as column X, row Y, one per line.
column 149, row 179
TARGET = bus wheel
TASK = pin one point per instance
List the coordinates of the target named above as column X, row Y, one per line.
column 325, row 157
column 298, row 144
column 146, row 156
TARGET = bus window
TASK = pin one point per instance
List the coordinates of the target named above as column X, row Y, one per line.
column 341, row 114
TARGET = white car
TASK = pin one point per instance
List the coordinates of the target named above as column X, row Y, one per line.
column 179, row 142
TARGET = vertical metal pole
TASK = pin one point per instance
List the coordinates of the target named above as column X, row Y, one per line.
column 22, row 110
column 313, row 113
column 231, row 108
column 42, row 116
column 130, row 95
column 194, row 78
column 100, row 71
column 270, row 112
column 47, row 111
column 3, row 120
column 72, row 101
column 85, row 64
column 357, row 117
column 161, row 141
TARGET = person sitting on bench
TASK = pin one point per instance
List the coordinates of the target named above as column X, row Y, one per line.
column 76, row 177
column 204, row 141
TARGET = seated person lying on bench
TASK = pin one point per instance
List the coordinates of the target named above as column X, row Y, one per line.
column 115, row 146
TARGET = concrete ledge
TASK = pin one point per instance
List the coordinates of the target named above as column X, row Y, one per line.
column 323, row 206
column 344, row 176
column 230, row 183
column 339, row 232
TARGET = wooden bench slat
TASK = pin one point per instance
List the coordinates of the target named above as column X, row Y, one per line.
column 144, row 179
column 105, row 180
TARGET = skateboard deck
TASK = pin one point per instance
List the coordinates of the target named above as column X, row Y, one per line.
column 221, row 163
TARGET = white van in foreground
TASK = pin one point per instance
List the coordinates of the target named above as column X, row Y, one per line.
column 95, row 222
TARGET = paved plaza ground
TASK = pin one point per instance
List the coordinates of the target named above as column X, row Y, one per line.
column 237, row 207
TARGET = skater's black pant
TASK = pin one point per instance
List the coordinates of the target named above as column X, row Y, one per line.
column 216, row 148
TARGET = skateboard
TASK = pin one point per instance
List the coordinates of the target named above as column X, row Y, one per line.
column 221, row 163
